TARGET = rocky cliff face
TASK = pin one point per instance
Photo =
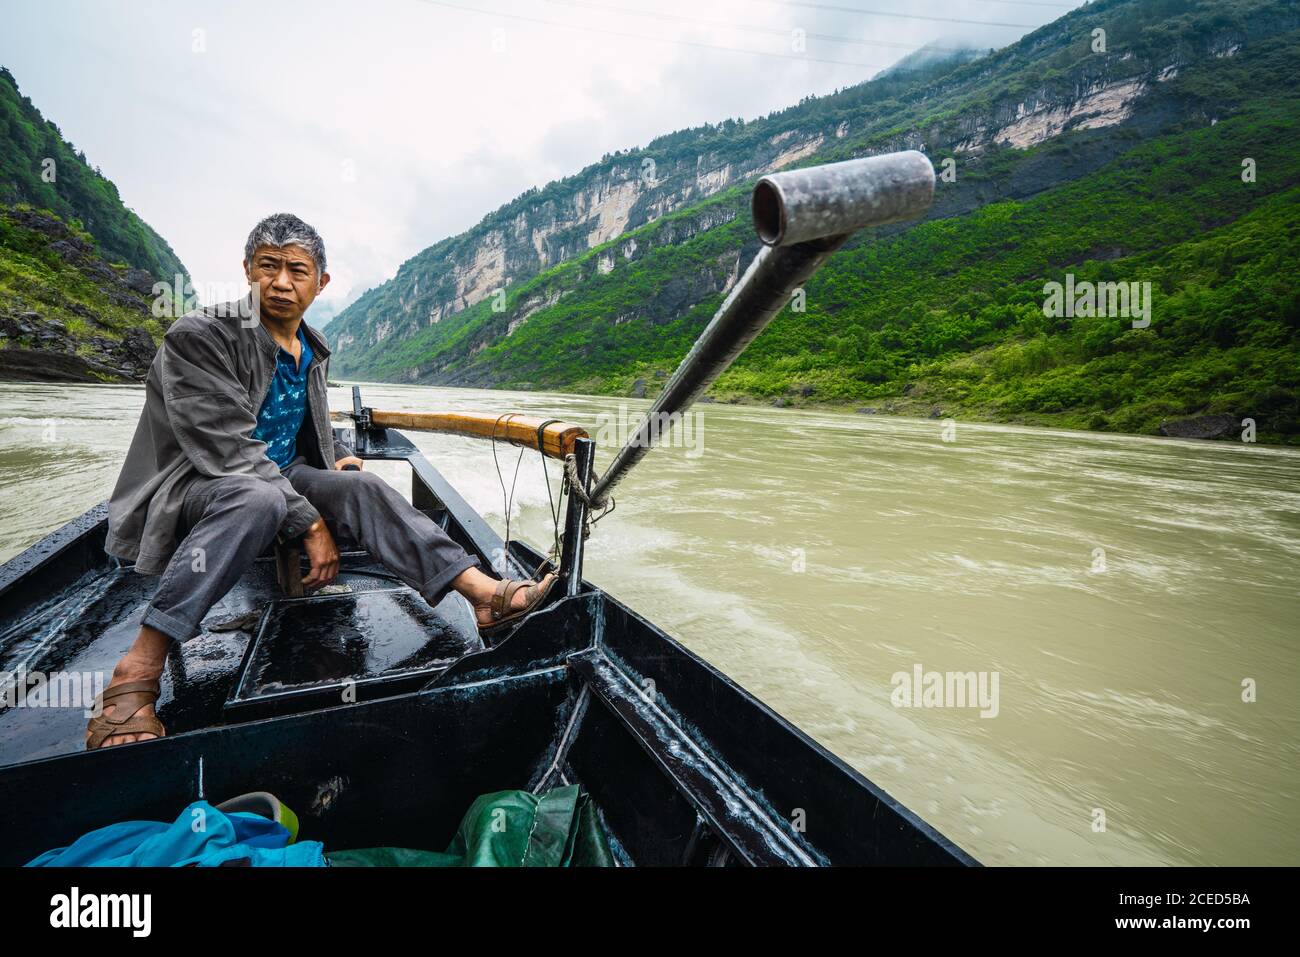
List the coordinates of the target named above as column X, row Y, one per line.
column 1055, row 81
column 66, row 315
column 562, row 222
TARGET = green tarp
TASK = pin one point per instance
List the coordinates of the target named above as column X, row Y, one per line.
column 507, row 829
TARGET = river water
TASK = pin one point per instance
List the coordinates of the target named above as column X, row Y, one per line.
column 1121, row 595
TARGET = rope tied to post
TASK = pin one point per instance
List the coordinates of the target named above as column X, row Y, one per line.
column 573, row 484
column 570, row 483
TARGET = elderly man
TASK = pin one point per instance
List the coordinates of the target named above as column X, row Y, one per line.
column 234, row 451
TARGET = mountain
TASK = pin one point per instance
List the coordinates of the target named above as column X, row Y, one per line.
column 32, row 150
column 1167, row 156
column 77, row 268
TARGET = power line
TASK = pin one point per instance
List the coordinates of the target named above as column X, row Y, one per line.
column 896, row 15
column 1040, row 3
column 1061, row 5
column 696, row 174
column 641, row 36
column 771, row 31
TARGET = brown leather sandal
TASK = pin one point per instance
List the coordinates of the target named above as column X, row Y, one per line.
column 137, row 693
column 505, row 595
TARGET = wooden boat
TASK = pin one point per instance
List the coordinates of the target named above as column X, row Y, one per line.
column 379, row 719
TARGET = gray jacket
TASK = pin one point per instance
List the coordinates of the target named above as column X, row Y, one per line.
column 202, row 395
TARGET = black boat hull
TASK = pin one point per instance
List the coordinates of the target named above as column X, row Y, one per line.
column 685, row 767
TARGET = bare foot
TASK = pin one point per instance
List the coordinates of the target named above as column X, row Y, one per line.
column 483, row 606
column 129, row 668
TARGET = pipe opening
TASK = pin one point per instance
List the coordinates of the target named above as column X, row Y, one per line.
column 769, row 216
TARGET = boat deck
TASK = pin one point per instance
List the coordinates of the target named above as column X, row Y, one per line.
column 256, row 652
column 260, row 653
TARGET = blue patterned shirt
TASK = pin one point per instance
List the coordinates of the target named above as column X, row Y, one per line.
column 285, row 405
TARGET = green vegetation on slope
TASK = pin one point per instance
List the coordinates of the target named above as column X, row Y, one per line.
column 65, row 314
column 950, row 313
column 947, row 317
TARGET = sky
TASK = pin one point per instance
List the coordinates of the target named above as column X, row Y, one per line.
column 392, row 124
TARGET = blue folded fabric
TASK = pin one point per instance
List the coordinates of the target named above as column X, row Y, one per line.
column 200, row 835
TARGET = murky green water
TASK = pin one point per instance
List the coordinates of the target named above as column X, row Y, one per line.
column 1121, row 589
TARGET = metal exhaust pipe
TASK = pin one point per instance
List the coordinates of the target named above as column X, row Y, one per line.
column 801, row 216
column 805, row 205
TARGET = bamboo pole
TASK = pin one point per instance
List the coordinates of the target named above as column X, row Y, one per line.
column 558, row 438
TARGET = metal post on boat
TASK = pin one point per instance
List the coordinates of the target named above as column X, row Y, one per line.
column 360, row 422
column 584, row 453
column 801, row 216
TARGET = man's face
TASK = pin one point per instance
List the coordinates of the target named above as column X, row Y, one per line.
column 286, row 280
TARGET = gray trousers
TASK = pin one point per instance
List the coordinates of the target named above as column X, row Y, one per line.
column 228, row 522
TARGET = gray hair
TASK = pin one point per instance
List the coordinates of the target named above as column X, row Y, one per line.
column 285, row 229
